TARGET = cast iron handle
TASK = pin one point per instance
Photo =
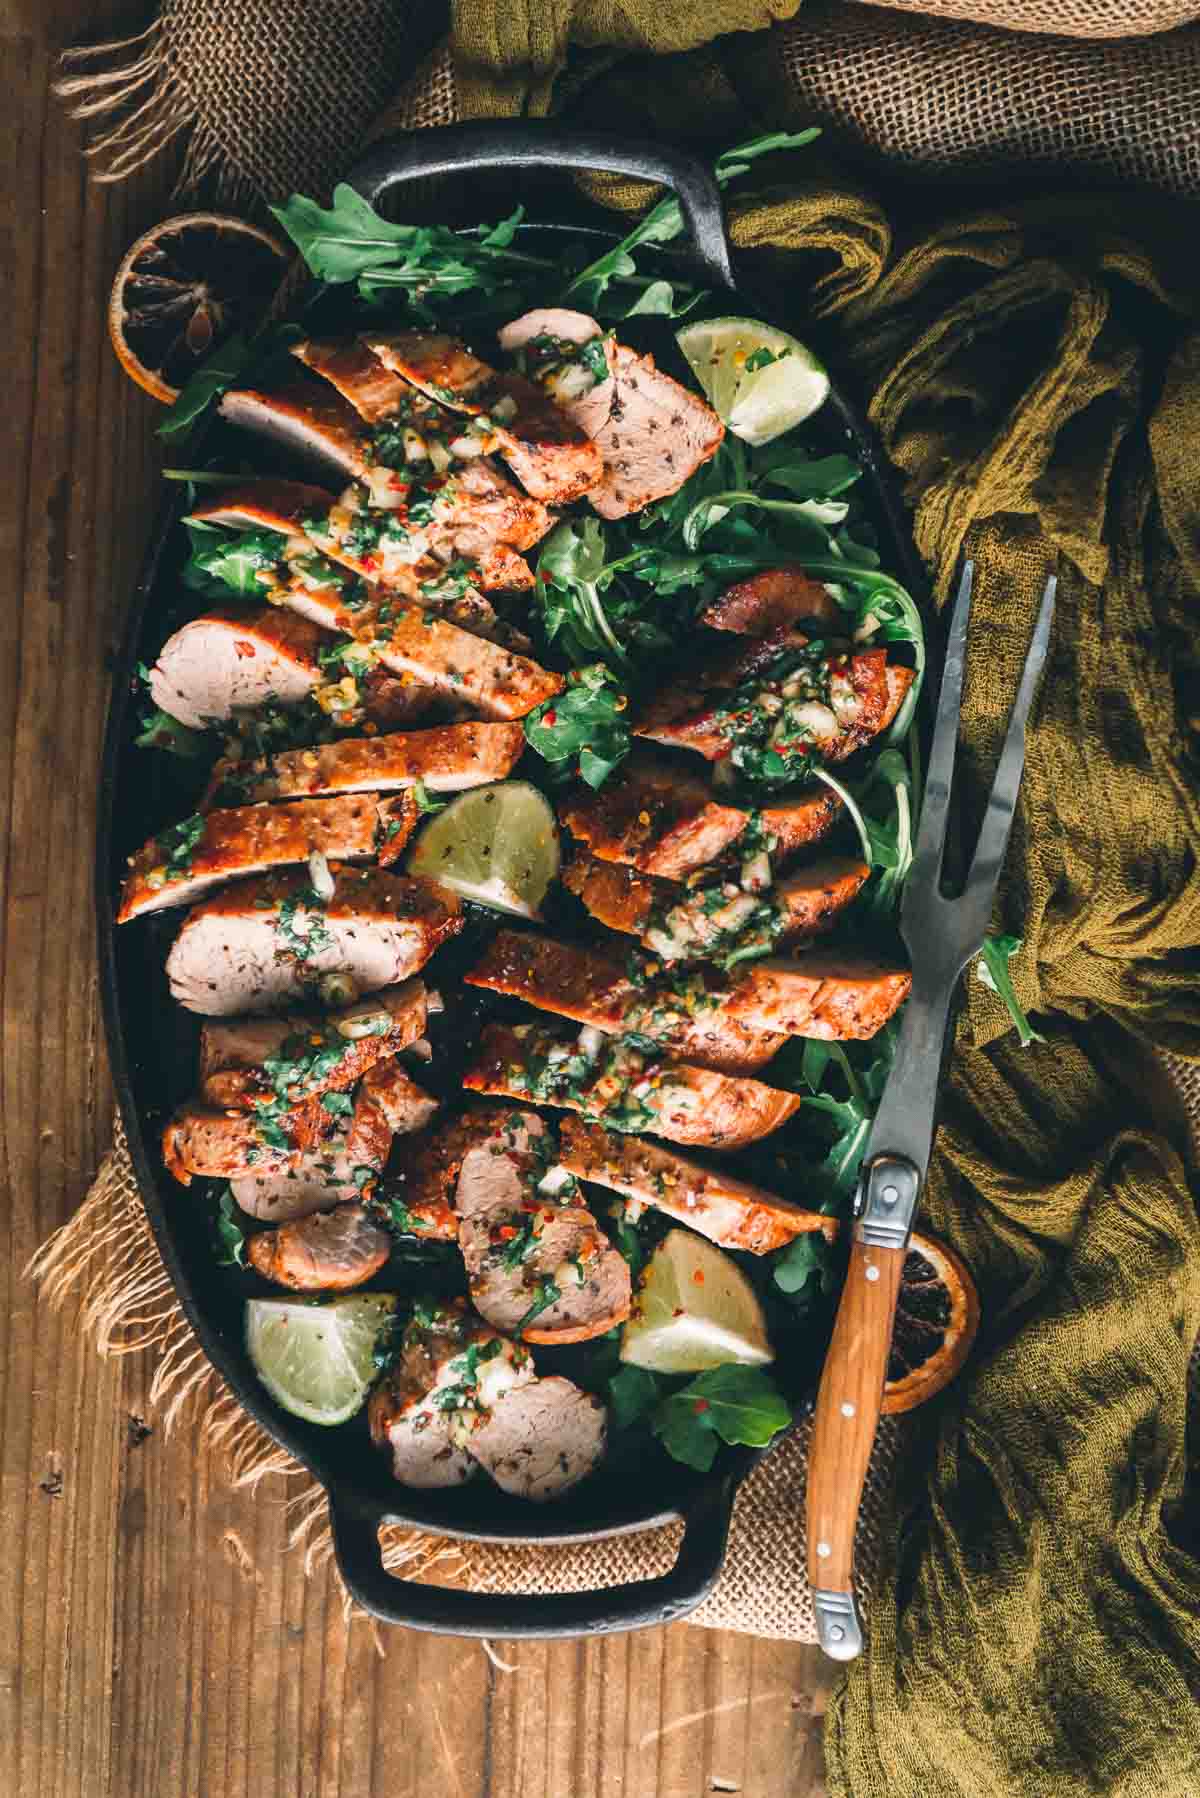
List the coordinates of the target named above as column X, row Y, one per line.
column 636, row 1605
column 530, row 144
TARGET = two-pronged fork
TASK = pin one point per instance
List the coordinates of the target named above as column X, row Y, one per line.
column 942, row 935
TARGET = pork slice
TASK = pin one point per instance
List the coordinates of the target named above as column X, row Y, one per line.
column 331, row 1251
column 775, row 599
column 683, row 923
column 592, row 987
column 233, row 660
column 186, row 860
column 372, row 390
column 272, row 505
column 445, row 758
column 265, row 944
column 793, row 821
column 730, row 1212
column 541, row 1439
column 449, row 1372
column 303, row 416
column 565, row 1258
column 410, row 640
column 331, row 1051
column 658, row 817
column 405, row 1106
column 316, row 1179
column 545, row 449
column 695, row 713
column 393, row 702
column 431, row 1166
column 544, row 335
column 479, row 507
column 656, row 435
column 627, row 1089
column 834, row 997
column 222, row 1144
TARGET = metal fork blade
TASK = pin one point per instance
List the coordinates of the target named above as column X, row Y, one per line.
column 983, row 876
column 925, row 873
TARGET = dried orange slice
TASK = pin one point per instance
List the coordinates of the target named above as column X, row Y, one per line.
column 937, row 1317
column 183, row 288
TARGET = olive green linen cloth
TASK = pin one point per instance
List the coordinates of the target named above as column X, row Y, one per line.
column 1035, row 376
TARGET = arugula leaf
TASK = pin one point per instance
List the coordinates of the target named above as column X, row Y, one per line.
column 992, row 969
column 425, row 802
column 223, row 560
column 545, row 1293
column 631, row 1393
column 340, row 1104
column 807, row 1257
column 727, row 1404
column 231, row 1238
column 161, row 731
column 585, row 721
column 213, row 378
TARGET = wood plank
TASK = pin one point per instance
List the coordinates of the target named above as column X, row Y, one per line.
column 155, row 1636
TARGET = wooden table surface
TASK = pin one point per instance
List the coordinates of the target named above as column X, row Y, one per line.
column 155, row 1642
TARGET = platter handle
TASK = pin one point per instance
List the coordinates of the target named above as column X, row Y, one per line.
column 639, row 1604
column 533, row 144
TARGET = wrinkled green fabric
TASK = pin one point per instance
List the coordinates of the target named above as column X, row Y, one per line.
column 1034, row 373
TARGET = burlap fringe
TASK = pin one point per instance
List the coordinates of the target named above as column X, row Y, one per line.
column 144, row 105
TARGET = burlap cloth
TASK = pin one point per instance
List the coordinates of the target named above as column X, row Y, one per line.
column 1034, row 371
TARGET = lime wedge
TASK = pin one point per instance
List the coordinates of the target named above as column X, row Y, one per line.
column 317, row 1361
column 758, row 380
column 695, row 1308
column 496, row 845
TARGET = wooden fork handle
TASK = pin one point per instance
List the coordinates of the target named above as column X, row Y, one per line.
column 847, row 1417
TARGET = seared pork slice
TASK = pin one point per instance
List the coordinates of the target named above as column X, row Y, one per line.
column 690, row 922
column 431, row 1165
column 450, row 1370
column 373, row 391
column 309, row 1055
column 445, row 758
column 546, row 450
column 544, row 1271
column 202, row 851
column 730, row 1212
column 392, row 702
column 832, row 996
column 626, row 1088
column 662, row 818
column 585, row 984
column 387, row 1104
column 776, row 599
column 548, row 342
column 265, row 944
column 304, row 416
column 331, row 1251
column 656, row 435
column 233, row 660
column 220, row 1143
column 409, row 640
column 541, row 1439
column 269, row 505
column 315, row 1179
column 828, row 709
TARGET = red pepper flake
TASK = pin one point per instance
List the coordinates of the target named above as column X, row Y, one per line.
column 699, row 1405
column 370, row 561
column 698, row 1276
column 551, row 717
column 678, row 1311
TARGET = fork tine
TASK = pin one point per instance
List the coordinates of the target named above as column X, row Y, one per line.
column 926, row 870
column 984, row 872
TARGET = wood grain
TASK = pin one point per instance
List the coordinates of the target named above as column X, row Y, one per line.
column 155, row 1639
column 847, row 1415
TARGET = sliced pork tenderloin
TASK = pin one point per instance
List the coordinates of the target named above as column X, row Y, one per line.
column 628, row 1088
column 201, row 852
column 387, row 1104
column 268, row 943
column 547, row 343
column 316, row 1179
column 449, row 1371
column 331, row 1251
column 657, row 434
column 306, row 417
column 235, row 659
column 348, row 365
column 444, row 758
column 574, row 980
column 219, row 1142
column 775, row 599
column 730, row 1212
column 541, row 1439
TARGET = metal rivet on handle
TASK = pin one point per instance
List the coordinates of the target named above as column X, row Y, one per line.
column 836, row 1633
column 824, row 1550
column 872, row 1273
column 847, row 1409
column 890, row 1194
